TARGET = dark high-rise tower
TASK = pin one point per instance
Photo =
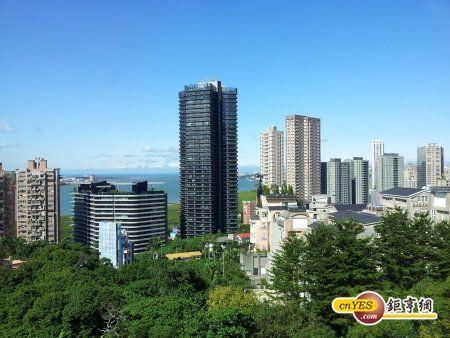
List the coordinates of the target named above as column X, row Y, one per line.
column 208, row 159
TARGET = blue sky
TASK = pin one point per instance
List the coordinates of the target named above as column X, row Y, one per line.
column 94, row 84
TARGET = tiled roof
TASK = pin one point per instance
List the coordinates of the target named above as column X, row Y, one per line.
column 360, row 217
column 349, row 207
column 398, row 191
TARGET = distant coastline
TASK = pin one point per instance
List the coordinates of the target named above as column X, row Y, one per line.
column 168, row 182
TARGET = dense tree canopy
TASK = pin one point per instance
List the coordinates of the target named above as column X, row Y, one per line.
column 409, row 256
column 66, row 290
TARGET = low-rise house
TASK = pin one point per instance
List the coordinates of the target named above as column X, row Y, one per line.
column 321, row 207
column 242, row 238
column 412, row 200
column 262, row 224
column 366, row 219
column 254, row 264
column 288, row 221
column 440, row 204
column 259, row 233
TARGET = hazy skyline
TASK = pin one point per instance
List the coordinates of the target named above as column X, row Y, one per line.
column 95, row 84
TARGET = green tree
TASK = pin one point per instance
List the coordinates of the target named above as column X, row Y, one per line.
column 440, row 251
column 223, row 296
column 287, row 273
column 387, row 328
column 439, row 291
column 164, row 316
column 225, row 322
column 274, row 189
column 155, row 245
column 290, row 190
column 266, row 190
column 288, row 319
column 404, row 248
column 337, row 264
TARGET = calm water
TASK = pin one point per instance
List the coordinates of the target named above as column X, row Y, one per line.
column 167, row 182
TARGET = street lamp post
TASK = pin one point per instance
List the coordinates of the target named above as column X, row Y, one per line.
column 223, row 260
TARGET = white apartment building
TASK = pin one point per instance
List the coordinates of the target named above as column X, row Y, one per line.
column 303, row 155
column 360, row 176
column 377, row 151
column 271, row 156
column 390, row 171
column 334, row 179
column 348, row 181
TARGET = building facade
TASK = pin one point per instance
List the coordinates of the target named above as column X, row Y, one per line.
column 141, row 212
column 303, row 166
column 360, row 180
column 323, row 177
column 410, row 175
column 334, row 180
column 248, row 211
column 7, row 203
column 440, row 204
column 348, row 181
column 114, row 244
column 377, row 151
column 278, row 217
column 390, row 171
column 259, row 233
column 412, row 200
column 271, row 157
column 37, row 202
column 345, row 178
column 430, row 165
column 208, row 159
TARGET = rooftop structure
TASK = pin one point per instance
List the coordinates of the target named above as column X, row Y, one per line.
column 183, row 255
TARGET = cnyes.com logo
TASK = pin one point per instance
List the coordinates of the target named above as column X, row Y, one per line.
column 369, row 308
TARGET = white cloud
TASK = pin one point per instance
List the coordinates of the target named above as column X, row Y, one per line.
column 152, row 150
column 6, row 128
column 4, row 145
column 103, row 155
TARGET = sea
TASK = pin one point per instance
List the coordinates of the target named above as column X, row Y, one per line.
column 167, row 182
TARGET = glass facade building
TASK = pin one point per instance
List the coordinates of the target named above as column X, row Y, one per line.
column 208, row 159
column 142, row 212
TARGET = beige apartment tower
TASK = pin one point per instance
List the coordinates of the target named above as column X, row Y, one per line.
column 430, row 165
column 410, row 175
column 271, row 158
column 303, row 155
column 37, row 207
